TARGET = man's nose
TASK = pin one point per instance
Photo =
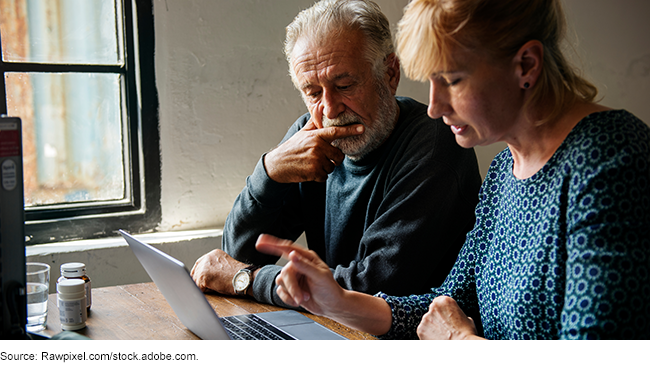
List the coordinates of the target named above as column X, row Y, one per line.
column 332, row 104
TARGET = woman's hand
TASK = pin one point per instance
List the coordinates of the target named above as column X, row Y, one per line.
column 305, row 280
column 446, row 321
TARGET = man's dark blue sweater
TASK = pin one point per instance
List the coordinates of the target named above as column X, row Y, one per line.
column 393, row 221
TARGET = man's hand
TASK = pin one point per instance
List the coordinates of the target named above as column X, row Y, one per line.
column 214, row 272
column 308, row 155
column 446, row 321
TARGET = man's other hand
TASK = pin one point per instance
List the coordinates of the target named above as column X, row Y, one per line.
column 214, row 272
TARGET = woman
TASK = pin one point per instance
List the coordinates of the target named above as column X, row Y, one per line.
column 561, row 244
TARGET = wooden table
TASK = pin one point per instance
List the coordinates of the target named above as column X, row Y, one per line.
column 140, row 312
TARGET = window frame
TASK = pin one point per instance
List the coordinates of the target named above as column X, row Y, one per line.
column 143, row 212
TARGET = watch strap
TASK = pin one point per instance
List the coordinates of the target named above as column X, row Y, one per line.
column 252, row 268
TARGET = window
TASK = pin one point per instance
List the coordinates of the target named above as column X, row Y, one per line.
column 80, row 75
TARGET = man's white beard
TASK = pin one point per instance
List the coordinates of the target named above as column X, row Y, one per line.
column 356, row 147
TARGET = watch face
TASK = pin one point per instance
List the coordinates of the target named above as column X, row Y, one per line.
column 241, row 281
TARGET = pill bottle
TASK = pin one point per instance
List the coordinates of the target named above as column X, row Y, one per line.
column 77, row 270
column 71, row 295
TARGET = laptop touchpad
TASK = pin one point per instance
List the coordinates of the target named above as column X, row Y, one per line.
column 299, row 326
column 284, row 318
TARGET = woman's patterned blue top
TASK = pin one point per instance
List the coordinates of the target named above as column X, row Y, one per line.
column 564, row 254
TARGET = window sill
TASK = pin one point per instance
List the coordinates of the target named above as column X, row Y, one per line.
column 150, row 238
column 109, row 261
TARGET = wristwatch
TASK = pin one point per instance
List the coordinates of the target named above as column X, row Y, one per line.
column 243, row 279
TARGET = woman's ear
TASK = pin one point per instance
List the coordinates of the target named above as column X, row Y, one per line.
column 528, row 63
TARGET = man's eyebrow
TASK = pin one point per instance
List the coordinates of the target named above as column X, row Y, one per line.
column 305, row 86
column 344, row 75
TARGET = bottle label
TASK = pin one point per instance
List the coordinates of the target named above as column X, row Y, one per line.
column 89, row 300
column 72, row 311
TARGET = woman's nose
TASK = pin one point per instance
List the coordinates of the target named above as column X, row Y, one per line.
column 438, row 103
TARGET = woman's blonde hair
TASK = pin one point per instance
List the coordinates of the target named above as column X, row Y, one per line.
column 430, row 29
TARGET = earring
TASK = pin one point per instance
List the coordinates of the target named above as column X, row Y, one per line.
column 526, row 85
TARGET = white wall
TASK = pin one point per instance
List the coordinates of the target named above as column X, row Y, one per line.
column 612, row 39
column 226, row 98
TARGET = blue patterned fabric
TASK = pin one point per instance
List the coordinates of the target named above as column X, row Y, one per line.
column 563, row 254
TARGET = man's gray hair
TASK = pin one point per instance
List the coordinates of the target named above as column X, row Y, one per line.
column 330, row 19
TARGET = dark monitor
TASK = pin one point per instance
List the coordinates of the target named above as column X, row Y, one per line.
column 13, row 307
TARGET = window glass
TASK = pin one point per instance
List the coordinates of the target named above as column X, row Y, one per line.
column 72, row 135
column 63, row 31
column 71, row 71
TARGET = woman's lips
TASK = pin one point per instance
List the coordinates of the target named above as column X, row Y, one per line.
column 458, row 129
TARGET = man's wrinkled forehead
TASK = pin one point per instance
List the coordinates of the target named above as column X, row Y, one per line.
column 334, row 60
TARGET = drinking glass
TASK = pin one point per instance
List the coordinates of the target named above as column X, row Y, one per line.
column 38, row 287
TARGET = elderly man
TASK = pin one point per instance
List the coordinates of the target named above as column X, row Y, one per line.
column 377, row 187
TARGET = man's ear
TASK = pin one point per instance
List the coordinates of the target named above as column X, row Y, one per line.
column 528, row 63
column 393, row 72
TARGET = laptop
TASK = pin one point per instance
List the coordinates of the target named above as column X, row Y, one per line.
column 190, row 305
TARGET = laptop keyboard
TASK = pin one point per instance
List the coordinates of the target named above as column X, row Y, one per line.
column 250, row 327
